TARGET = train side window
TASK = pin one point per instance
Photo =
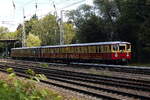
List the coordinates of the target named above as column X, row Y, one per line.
column 93, row 49
column 59, row 50
column 85, row 49
column 78, row 50
column 109, row 48
column 104, row 48
column 97, row 51
column 62, row 50
column 82, row 50
column 128, row 47
column 73, row 51
column 49, row 50
column 100, row 49
column 69, row 50
column 55, row 50
column 89, row 49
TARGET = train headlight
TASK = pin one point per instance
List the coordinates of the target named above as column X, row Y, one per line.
column 127, row 54
column 116, row 55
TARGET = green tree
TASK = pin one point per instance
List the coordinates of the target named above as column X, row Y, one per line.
column 33, row 40
column 47, row 30
column 69, row 33
column 132, row 25
column 89, row 26
column 3, row 30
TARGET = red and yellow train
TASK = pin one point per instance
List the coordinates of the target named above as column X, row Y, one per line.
column 116, row 51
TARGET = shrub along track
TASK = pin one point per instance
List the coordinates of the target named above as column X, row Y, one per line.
column 99, row 86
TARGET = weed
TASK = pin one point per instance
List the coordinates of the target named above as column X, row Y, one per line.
column 44, row 65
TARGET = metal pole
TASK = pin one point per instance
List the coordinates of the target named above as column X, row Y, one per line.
column 61, row 29
column 23, row 32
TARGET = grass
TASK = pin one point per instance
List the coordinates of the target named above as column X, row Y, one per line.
column 44, row 65
column 140, row 64
column 99, row 72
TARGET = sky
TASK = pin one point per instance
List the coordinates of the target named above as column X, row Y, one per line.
column 11, row 11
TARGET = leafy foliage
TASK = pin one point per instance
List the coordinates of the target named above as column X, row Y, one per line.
column 12, row 88
column 18, row 90
column 33, row 40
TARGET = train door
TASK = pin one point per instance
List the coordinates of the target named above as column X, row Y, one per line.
column 122, row 49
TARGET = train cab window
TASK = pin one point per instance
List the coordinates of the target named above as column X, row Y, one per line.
column 121, row 47
column 128, row 47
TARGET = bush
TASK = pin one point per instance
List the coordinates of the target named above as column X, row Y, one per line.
column 15, row 89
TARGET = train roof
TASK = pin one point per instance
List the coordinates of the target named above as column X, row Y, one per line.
column 81, row 44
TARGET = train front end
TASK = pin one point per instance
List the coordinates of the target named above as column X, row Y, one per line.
column 121, row 52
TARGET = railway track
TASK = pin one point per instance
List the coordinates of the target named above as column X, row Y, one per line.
column 99, row 86
column 115, row 68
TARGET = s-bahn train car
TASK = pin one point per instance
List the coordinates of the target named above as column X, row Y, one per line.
column 116, row 51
